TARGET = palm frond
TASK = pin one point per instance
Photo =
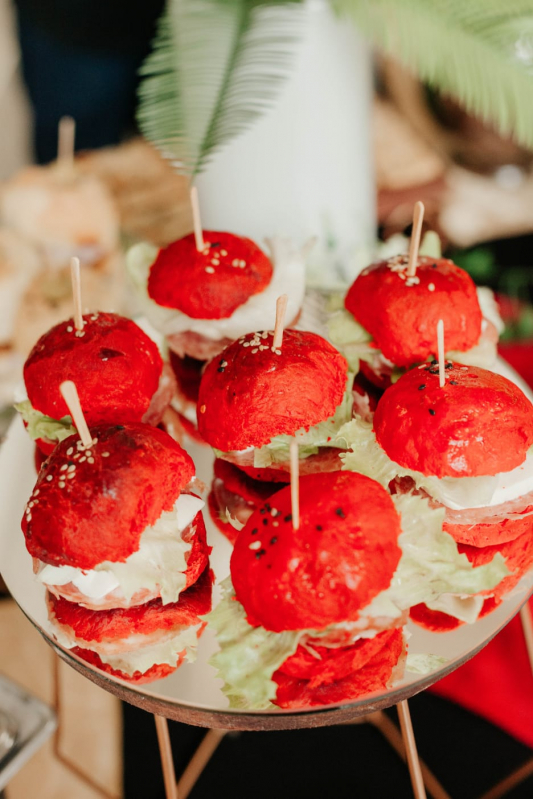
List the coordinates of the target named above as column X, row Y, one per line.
column 216, row 66
column 478, row 51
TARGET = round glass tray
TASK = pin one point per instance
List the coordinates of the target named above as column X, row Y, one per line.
column 193, row 693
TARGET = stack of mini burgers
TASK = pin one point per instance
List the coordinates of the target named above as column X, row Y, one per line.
column 118, row 539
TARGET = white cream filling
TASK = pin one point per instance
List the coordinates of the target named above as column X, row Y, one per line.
column 257, row 313
column 159, row 562
column 140, row 658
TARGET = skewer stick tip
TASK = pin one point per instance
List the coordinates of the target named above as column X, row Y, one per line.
column 65, row 141
column 70, row 395
column 440, row 353
column 281, row 309
column 418, row 218
column 76, row 292
column 295, row 485
column 197, row 223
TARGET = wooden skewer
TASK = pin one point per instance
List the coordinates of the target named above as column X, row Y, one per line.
column 197, row 222
column 76, row 292
column 165, row 752
column 65, row 142
column 410, row 747
column 440, row 353
column 418, row 218
column 70, row 395
column 281, row 308
column 295, row 485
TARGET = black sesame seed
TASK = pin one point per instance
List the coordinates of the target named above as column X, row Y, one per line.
column 433, row 266
column 273, row 539
column 427, row 369
column 260, row 553
column 432, row 412
column 433, row 371
column 255, row 531
column 421, row 387
column 262, row 510
column 288, row 518
column 454, row 383
column 340, row 512
column 265, row 520
column 434, row 362
column 119, row 427
column 319, row 527
column 215, row 244
column 449, row 366
column 268, row 507
column 220, row 369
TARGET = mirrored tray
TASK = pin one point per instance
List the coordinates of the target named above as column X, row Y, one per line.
column 193, row 693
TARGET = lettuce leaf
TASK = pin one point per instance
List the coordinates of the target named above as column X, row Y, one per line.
column 248, row 655
column 423, row 663
column 41, row 426
column 351, row 339
column 309, row 441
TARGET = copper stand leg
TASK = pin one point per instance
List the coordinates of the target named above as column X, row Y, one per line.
column 527, row 626
column 410, row 747
column 199, row 761
column 392, row 735
column 72, row 767
column 510, row 782
column 167, row 763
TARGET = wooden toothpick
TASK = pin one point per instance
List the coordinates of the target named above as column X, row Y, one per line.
column 281, row 308
column 440, row 353
column 418, row 218
column 65, row 142
column 295, row 485
column 198, row 235
column 70, row 395
column 76, row 292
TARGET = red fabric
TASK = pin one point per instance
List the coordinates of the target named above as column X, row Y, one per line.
column 479, row 423
column 497, row 684
column 210, row 284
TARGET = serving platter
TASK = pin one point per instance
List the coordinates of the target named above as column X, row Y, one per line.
column 193, row 693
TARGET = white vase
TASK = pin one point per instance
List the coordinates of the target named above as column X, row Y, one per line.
column 305, row 168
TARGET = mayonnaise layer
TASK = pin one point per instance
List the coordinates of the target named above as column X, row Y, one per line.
column 159, row 562
column 257, row 313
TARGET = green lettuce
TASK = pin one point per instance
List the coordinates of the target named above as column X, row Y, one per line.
column 423, row 663
column 309, row 441
column 351, row 339
column 41, row 426
column 248, row 655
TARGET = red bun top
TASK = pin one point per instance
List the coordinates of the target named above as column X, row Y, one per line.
column 115, row 366
column 120, row 486
column 478, row 424
column 249, row 393
column 210, row 284
column 343, row 555
column 111, row 625
column 401, row 313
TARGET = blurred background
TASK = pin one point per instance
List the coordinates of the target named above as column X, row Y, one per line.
column 81, row 59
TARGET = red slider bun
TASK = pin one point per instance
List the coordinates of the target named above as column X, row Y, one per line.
column 210, row 284
column 232, row 490
column 401, row 313
column 152, row 622
column 131, row 474
column 371, row 669
column 341, row 557
column 116, row 368
column 249, row 393
column 479, row 423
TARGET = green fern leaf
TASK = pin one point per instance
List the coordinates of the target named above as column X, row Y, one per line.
column 216, row 66
column 478, row 51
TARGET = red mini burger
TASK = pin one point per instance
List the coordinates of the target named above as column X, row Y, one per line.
column 139, row 644
column 290, row 629
column 466, row 447
column 390, row 318
column 202, row 300
column 115, row 525
column 117, row 369
column 255, row 399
